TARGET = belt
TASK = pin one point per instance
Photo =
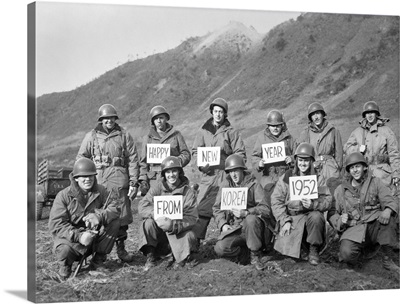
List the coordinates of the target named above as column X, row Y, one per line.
column 323, row 157
column 368, row 208
column 295, row 212
column 378, row 159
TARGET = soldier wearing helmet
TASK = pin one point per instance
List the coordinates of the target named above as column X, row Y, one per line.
column 377, row 142
column 77, row 209
column 160, row 132
column 215, row 132
column 114, row 153
column 364, row 213
column 160, row 235
column 327, row 142
column 276, row 131
column 244, row 232
column 301, row 223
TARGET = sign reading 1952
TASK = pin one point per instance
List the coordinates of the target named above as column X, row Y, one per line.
column 303, row 187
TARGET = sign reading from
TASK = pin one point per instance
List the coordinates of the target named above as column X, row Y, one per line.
column 156, row 153
column 303, row 187
column 234, row 198
column 208, row 155
column 170, row 206
column 274, row 152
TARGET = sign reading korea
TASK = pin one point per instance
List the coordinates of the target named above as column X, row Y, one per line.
column 156, row 153
column 208, row 155
column 170, row 206
column 303, row 187
column 234, row 198
column 274, row 152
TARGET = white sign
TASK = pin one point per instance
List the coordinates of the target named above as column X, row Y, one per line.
column 208, row 155
column 170, row 206
column 156, row 153
column 234, row 198
column 303, row 187
column 274, row 152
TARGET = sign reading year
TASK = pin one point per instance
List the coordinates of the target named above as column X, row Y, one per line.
column 303, row 187
column 274, row 152
column 170, row 206
column 233, row 198
column 156, row 153
column 208, row 155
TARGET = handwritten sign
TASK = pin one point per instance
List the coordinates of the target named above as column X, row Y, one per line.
column 274, row 152
column 208, row 155
column 234, row 198
column 170, row 206
column 156, row 153
column 303, row 187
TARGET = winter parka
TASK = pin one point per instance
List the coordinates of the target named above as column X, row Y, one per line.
column 116, row 160
column 178, row 148
column 328, row 149
column 363, row 206
column 382, row 150
column 69, row 207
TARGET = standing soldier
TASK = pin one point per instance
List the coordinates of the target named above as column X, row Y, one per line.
column 159, row 236
column 247, row 231
column 327, row 142
column 301, row 223
column 83, row 207
column 114, row 153
column 377, row 142
column 365, row 212
column 216, row 132
column 161, row 132
column 276, row 131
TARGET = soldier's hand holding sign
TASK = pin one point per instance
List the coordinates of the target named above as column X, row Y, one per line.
column 306, row 202
column 240, row 213
column 164, row 223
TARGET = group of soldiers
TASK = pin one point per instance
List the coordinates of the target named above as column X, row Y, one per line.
column 357, row 192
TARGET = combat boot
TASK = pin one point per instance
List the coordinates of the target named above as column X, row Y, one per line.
column 97, row 261
column 255, row 259
column 64, row 271
column 123, row 255
column 151, row 259
column 313, row 256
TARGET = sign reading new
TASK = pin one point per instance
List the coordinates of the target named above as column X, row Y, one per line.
column 156, row 153
column 208, row 155
column 170, row 206
column 234, row 198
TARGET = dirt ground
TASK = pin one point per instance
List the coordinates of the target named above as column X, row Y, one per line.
column 211, row 277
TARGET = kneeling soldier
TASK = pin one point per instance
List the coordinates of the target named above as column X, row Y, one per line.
column 364, row 212
column 247, row 231
column 79, row 213
column 161, row 235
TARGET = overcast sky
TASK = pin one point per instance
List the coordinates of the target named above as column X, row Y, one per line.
column 78, row 42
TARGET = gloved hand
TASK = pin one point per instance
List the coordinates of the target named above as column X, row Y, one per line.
column 86, row 238
column 205, row 169
column 144, row 187
column 132, row 192
column 91, row 220
column 164, row 223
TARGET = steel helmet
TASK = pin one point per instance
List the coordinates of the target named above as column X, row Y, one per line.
column 157, row 110
column 371, row 106
column 275, row 118
column 305, row 150
column 314, row 107
column 355, row 158
column 84, row 167
column 171, row 162
column 234, row 161
column 107, row 110
column 221, row 103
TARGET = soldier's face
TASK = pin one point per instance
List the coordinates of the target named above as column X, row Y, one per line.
column 237, row 175
column 303, row 163
column 108, row 122
column 317, row 118
column 371, row 117
column 85, row 182
column 172, row 176
column 357, row 171
column 218, row 114
column 275, row 130
column 160, row 121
